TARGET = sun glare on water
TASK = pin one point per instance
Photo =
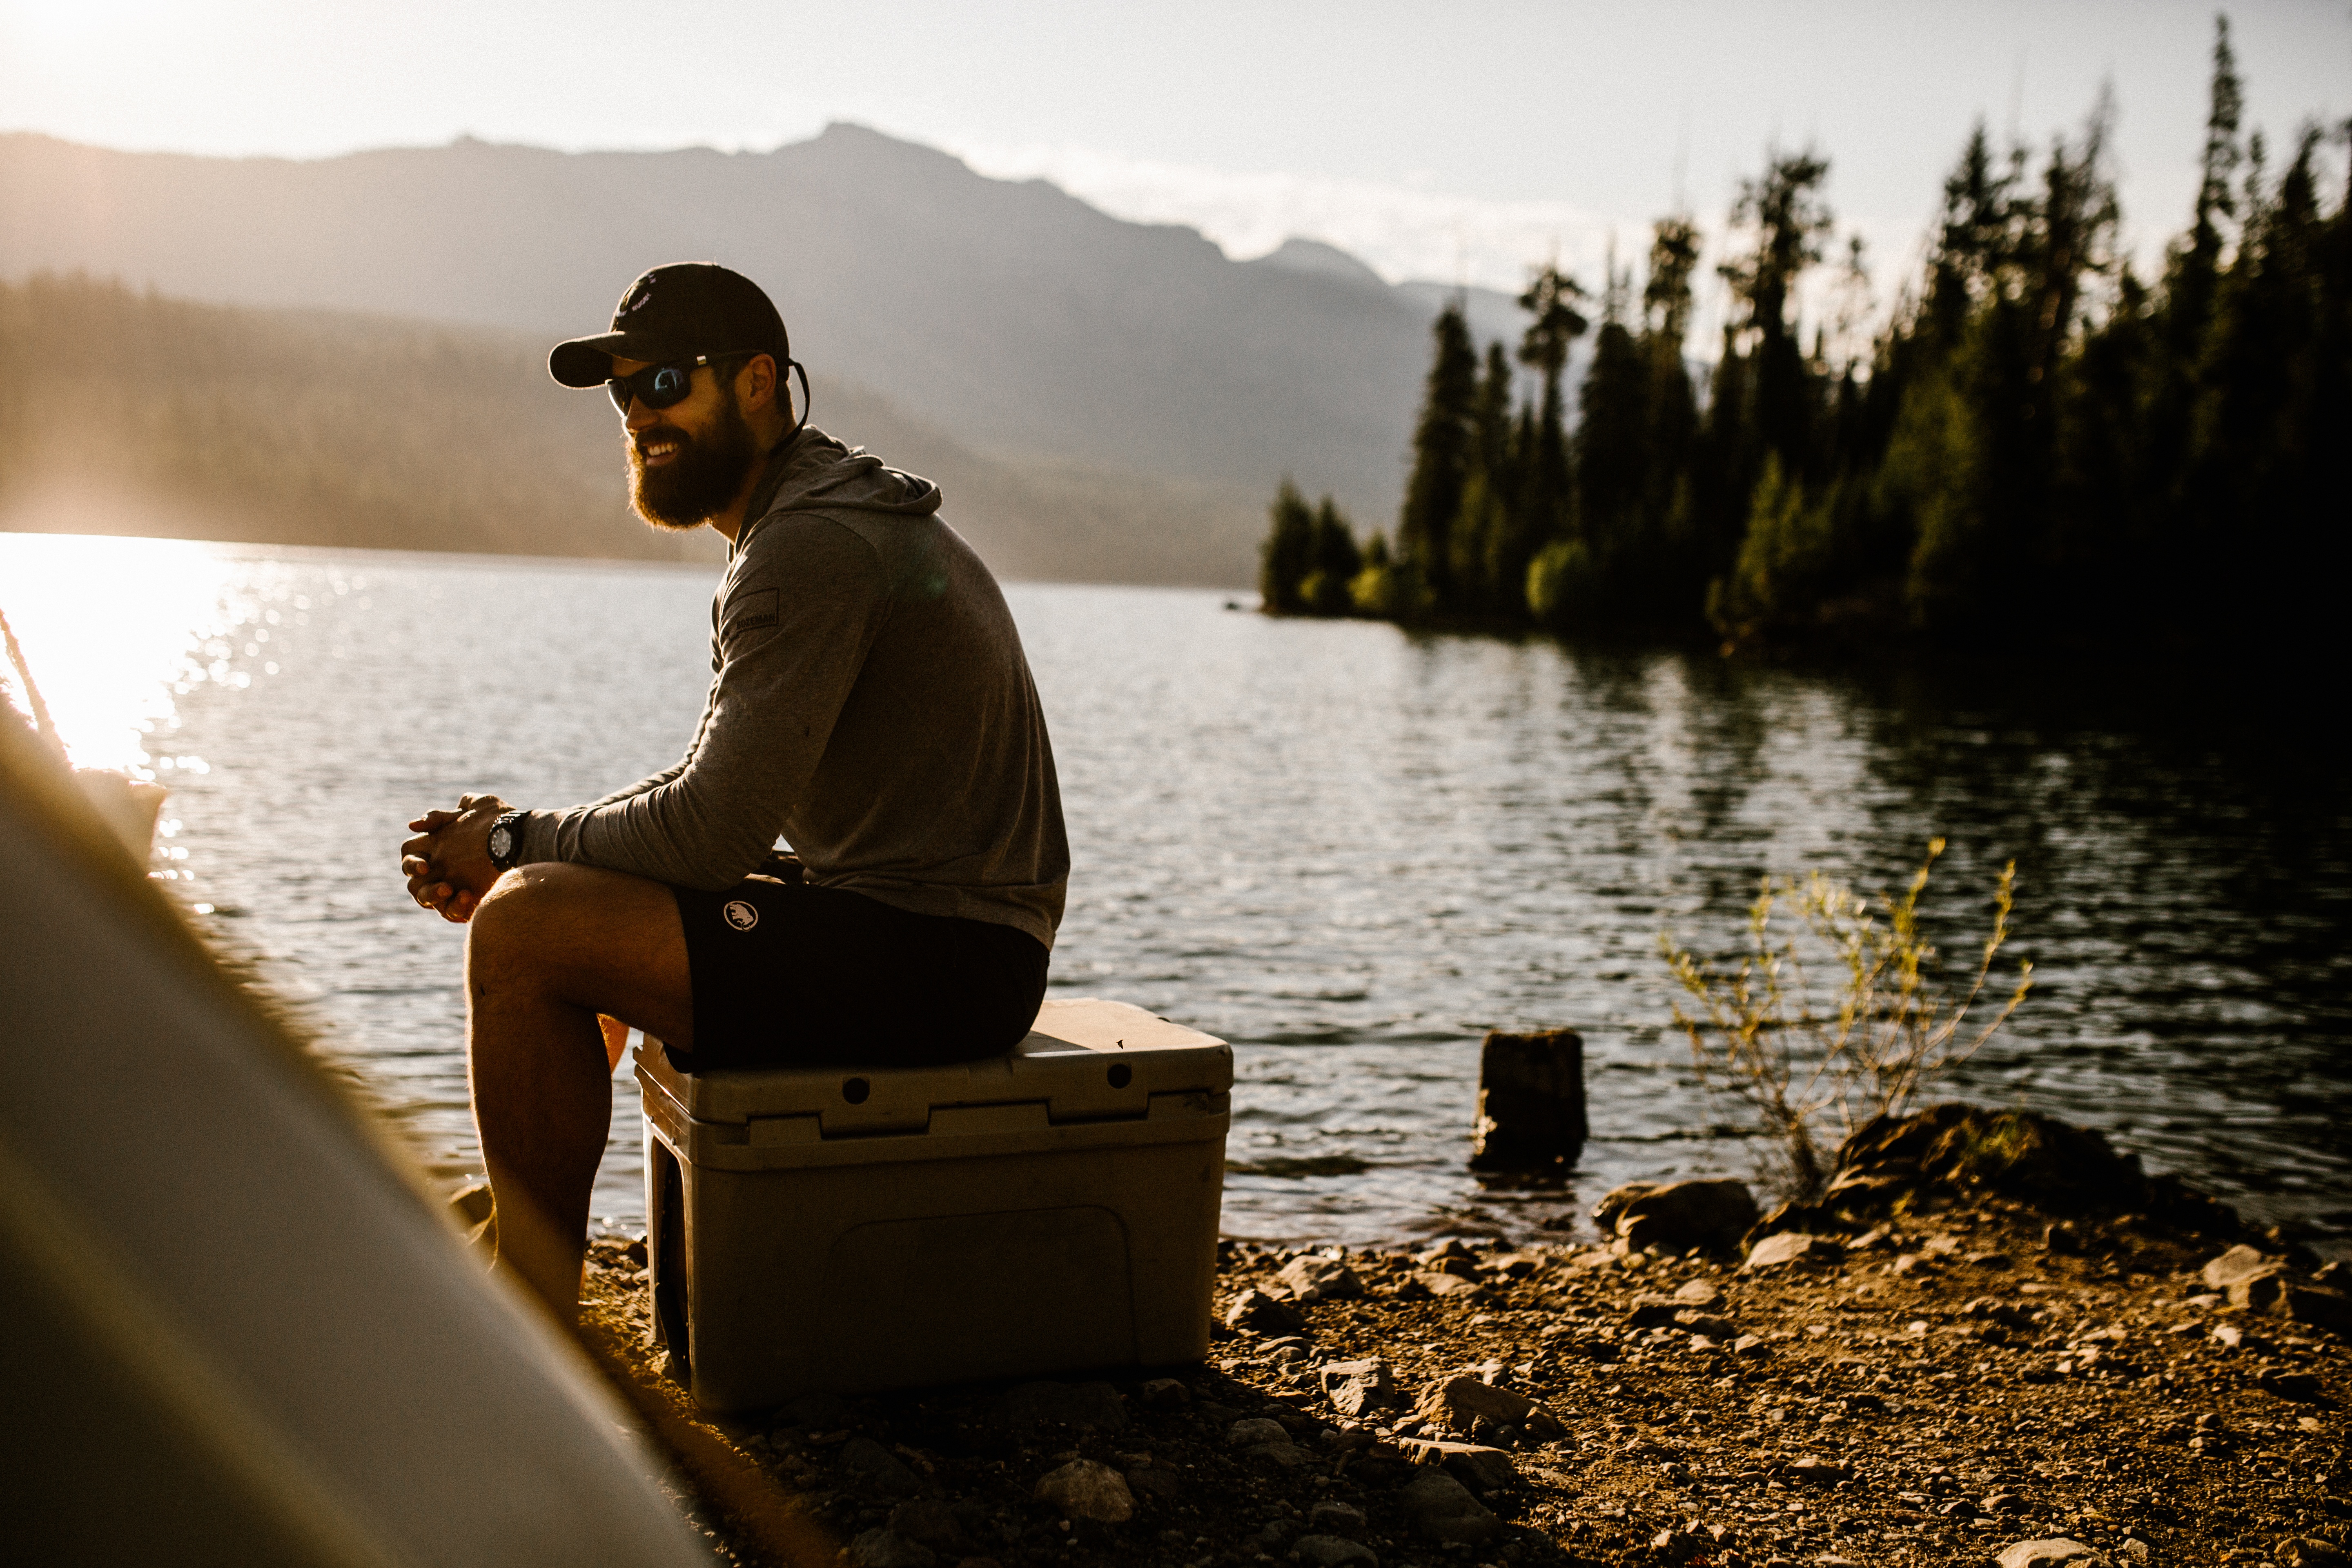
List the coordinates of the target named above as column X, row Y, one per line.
column 115, row 631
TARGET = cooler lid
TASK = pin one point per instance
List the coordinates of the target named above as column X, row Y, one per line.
column 1086, row 1058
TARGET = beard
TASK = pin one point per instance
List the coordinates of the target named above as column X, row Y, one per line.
column 700, row 481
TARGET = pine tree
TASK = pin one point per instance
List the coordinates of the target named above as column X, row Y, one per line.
column 1288, row 554
column 1333, row 563
column 1544, row 507
column 1441, row 444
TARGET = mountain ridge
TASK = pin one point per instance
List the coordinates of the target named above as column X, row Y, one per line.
column 1011, row 316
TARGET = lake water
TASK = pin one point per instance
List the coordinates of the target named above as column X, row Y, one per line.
column 1348, row 850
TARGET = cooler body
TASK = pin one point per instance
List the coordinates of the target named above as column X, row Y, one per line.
column 842, row 1229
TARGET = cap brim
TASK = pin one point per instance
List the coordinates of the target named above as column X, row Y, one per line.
column 588, row 362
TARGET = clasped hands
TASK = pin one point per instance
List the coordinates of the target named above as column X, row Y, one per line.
column 448, row 864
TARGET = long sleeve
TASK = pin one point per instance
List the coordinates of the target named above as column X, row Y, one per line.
column 798, row 612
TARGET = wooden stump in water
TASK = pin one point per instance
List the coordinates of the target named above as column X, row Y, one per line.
column 1530, row 1102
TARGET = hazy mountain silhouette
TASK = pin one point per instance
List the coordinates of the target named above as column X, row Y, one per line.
column 128, row 413
column 1014, row 320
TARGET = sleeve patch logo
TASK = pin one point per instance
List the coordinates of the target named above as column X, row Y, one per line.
column 750, row 611
column 741, row 914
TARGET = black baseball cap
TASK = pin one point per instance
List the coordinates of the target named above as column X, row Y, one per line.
column 680, row 311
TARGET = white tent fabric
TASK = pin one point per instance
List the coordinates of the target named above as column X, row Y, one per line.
column 236, row 1328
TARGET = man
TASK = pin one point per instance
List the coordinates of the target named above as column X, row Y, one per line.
column 870, row 704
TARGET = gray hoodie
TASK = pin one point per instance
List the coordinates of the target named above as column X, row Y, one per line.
column 869, row 704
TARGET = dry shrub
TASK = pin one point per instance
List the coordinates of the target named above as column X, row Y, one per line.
column 1812, row 1067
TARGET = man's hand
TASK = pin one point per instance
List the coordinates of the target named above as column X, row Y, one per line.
column 448, row 864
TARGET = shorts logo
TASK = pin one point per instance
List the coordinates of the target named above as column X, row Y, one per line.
column 741, row 915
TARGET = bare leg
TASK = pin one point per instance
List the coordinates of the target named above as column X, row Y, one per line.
column 551, row 948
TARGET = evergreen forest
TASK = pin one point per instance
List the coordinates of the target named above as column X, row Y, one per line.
column 2039, row 446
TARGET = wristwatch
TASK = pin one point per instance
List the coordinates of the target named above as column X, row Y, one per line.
column 505, row 840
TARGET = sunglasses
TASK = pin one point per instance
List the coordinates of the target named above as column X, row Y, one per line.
column 657, row 385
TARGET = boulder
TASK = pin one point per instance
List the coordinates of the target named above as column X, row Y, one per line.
column 1484, row 1470
column 1458, row 1401
column 1251, row 1433
column 1075, row 1405
column 1085, row 1490
column 1165, row 1393
column 1699, row 1293
column 2309, row 1551
column 1333, row 1552
column 2048, row 1553
column 2236, row 1266
column 1337, row 1519
column 1793, row 1246
column 2276, row 1292
column 886, row 1548
column 1447, row 1284
column 932, row 1523
column 877, row 1467
column 1683, row 1214
column 1313, row 1278
column 1254, row 1309
column 1354, row 1387
column 1442, row 1509
column 1613, row 1202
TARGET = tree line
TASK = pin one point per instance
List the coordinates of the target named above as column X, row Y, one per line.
column 2038, row 445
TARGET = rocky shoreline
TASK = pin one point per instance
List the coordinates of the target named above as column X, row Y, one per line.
column 1935, row 1364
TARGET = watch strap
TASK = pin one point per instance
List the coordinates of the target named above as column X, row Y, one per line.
column 511, row 823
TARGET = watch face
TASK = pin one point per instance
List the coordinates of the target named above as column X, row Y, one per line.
column 501, row 842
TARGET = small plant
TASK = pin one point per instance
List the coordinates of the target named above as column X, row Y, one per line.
column 1804, row 1068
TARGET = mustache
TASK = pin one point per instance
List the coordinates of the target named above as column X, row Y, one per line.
column 651, row 433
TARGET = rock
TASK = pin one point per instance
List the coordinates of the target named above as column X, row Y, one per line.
column 2239, row 1263
column 1614, row 1202
column 1165, row 1393
column 1313, row 1278
column 1517, row 1265
column 1458, row 1401
column 1442, row 1509
column 1254, row 1309
column 1447, row 1285
column 2302, row 1387
column 1650, row 1311
column 877, row 1467
column 934, row 1524
column 1337, row 1519
column 1531, row 1101
column 1711, row 1327
column 1155, row 1484
column 1484, row 1470
column 1254, row 1431
column 2277, row 1294
column 2229, row 1336
column 2003, row 1503
column 1700, row 1294
column 1793, row 1246
column 2306, row 1551
column 817, row 1412
column 2047, row 1553
column 886, row 1548
column 1085, row 1490
column 1355, row 1386
column 1332, row 1551
column 1079, row 1404
column 1751, row 1345
column 1683, row 1214
column 1816, row 1470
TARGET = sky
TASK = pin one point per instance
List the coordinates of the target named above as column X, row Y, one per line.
column 1464, row 143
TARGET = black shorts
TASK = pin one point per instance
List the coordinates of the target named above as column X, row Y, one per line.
column 786, row 974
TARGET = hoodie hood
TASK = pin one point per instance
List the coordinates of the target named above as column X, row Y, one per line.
column 813, row 472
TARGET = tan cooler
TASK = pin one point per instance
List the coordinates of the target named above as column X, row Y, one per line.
column 845, row 1229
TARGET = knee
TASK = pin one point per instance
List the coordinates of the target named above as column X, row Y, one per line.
column 517, row 917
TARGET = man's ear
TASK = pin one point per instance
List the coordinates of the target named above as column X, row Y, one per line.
column 755, row 386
